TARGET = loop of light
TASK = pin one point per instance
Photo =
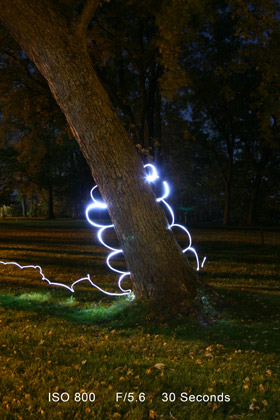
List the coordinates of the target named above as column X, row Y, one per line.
column 100, row 205
column 153, row 176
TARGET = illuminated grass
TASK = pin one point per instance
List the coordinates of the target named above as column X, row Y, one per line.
column 52, row 340
column 35, row 297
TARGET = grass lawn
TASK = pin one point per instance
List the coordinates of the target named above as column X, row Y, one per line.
column 89, row 346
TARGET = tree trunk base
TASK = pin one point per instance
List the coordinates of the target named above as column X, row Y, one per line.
column 203, row 308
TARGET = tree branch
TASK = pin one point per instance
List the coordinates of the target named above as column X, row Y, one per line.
column 86, row 15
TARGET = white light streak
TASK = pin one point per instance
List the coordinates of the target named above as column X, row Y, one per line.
column 151, row 178
column 71, row 288
column 100, row 205
column 203, row 261
column 97, row 205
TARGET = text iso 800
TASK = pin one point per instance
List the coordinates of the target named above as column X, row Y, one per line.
column 66, row 396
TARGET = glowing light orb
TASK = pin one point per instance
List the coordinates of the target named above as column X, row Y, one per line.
column 152, row 176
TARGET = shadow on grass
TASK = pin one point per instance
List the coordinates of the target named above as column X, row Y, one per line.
column 245, row 277
column 36, row 223
column 248, row 321
column 54, row 250
column 240, row 252
column 47, row 241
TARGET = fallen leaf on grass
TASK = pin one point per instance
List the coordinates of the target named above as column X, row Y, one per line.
column 159, row 365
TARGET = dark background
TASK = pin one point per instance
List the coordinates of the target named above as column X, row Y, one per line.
column 196, row 85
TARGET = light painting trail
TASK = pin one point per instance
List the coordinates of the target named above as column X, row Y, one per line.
column 151, row 176
column 71, row 288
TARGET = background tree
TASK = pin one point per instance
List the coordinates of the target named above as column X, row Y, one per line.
column 34, row 127
column 122, row 45
column 257, row 24
column 230, row 103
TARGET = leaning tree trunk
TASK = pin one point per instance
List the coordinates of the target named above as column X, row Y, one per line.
column 159, row 269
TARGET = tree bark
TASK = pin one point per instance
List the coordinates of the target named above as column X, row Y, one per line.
column 159, row 270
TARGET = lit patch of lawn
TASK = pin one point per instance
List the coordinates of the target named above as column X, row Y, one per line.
column 35, row 297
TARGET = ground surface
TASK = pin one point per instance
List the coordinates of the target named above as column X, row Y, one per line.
column 91, row 346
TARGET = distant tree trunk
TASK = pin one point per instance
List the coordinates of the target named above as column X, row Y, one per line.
column 227, row 204
column 259, row 168
column 226, row 173
column 142, row 79
column 3, row 215
column 24, row 206
column 31, row 206
column 228, row 188
column 252, row 210
column 157, row 145
column 159, row 270
column 151, row 108
column 50, row 203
